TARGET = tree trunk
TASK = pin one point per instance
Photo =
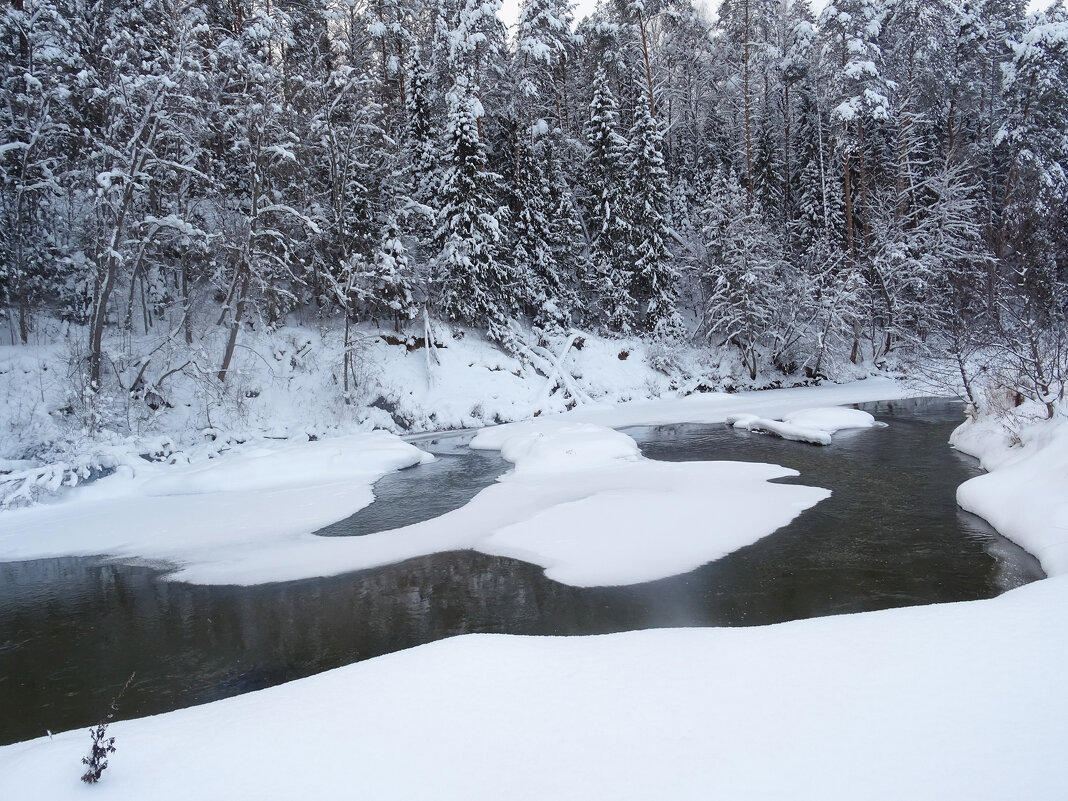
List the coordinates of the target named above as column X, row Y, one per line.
column 787, row 205
column 187, row 304
column 648, row 68
column 105, row 285
column 235, row 324
column 847, row 188
column 749, row 183
column 347, row 361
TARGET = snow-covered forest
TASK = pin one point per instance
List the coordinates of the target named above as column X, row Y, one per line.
column 882, row 180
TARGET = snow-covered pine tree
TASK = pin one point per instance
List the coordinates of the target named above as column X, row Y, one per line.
column 1034, row 139
column 544, row 225
column 440, row 63
column 544, row 46
column 635, row 19
column 819, row 214
column 475, row 42
column 850, row 62
column 917, row 33
column 797, row 34
column 746, row 30
column 310, row 67
column 475, row 285
column 1000, row 24
column 34, row 135
column 547, row 245
column 393, row 30
column 745, row 273
column 769, row 182
column 655, row 282
column 392, row 274
column 609, row 218
column 421, row 148
column 684, row 53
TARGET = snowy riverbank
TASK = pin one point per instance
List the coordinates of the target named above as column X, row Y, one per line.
column 287, row 384
column 952, row 701
column 256, row 523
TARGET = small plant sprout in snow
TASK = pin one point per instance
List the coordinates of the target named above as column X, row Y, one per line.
column 97, row 761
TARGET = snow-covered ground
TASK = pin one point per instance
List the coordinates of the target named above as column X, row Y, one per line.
column 938, row 702
column 1025, row 494
column 961, row 701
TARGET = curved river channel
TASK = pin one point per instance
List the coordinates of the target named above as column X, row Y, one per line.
column 72, row 630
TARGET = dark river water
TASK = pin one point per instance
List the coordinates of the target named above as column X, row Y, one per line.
column 72, row 630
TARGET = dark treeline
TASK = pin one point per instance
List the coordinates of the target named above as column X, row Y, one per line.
column 887, row 176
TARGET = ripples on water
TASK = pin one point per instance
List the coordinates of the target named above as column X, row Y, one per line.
column 72, row 630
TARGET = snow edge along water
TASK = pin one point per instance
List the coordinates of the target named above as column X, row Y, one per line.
column 256, row 523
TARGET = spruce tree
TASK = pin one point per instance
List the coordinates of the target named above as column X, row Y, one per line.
column 610, row 225
column 475, row 284
column 31, row 166
column 655, row 283
column 746, row 273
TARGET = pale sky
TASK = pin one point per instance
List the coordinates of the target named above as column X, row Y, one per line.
column 583, row 8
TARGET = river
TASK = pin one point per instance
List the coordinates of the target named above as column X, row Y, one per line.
column 72, row 630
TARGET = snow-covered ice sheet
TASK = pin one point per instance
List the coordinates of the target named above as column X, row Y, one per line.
column 958, row 701
column 223, row 512
column 831, row 419
column 602, row 514
column 815, row 426
column 581, row 502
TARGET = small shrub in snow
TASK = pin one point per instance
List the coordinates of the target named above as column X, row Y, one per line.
column 97, row 760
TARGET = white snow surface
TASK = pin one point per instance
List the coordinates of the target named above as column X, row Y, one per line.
column 253, row 509
column 830, row 419
column 958, row 701
column 603, row 514
column 716, row 407
column 1025, row 496
column 287, row 384
column 761, row 425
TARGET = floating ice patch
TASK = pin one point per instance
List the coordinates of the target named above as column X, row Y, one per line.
column 607, row 516
column 815, row 426
column 551, row 446
column 831, row 419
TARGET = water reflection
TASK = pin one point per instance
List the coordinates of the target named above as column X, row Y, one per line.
column 72, row 630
